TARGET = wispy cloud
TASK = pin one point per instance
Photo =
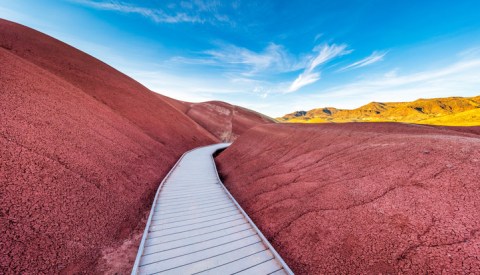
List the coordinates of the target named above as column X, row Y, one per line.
column 274, row 58
column 186, row 12
column 457, row 79
column 325, row 54
column 246, row 66
column 203, row 87
column 187, row 88
column 373, row 58
column 304, row 79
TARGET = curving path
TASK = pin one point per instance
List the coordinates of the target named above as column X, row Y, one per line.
column 196, row 226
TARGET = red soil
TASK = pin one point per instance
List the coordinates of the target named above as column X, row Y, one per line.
column 180, row 105
column 82, row 149
column 225, row 121
column 362, row 198
column 472, row 130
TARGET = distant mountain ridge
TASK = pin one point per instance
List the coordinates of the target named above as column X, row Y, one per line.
column 451, row 111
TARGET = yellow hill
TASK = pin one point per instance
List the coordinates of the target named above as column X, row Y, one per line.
column 467, row 118
column 458, row 111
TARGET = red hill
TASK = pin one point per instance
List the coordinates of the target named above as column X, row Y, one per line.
column 225, row 121
column 83, row 147
column 362, row 198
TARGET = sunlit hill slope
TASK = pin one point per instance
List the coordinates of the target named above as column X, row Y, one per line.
column 450, row 111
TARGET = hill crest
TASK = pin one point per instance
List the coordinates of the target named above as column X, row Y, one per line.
column 434, row 111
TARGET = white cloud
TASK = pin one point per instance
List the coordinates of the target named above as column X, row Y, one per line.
column 470, row 53
column 274, row 58
column 457, row 79
column 265, row 65
column 373, row 58
column 157, row 15
column 15, row 15
column 243, row 65
column 325, row 54
column 189, row 12
column 204, row 5
column 391, row 73
column 10, row 14
column 303, row 80
column 186, row 4
column 191, row 88
column 318, row 36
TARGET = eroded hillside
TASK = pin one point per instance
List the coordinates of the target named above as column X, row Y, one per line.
column 223, row 120
column 362, row 198
column 83, row 148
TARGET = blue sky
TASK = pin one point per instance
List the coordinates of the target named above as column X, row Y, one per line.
column 275, row 56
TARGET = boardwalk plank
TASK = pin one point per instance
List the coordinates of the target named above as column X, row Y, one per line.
column 195, row 226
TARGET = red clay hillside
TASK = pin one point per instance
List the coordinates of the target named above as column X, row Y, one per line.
column 362, row 198
column 83, row 148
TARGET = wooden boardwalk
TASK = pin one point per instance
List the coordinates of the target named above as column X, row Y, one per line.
column 196, row 226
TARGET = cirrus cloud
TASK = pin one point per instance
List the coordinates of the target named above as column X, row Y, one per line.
column 325, row 53
column 373, row 58
column 185, row 12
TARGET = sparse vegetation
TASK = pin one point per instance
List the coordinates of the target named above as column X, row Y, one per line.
column 451, row 111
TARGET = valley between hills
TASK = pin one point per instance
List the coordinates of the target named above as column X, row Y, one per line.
column 84, row 148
